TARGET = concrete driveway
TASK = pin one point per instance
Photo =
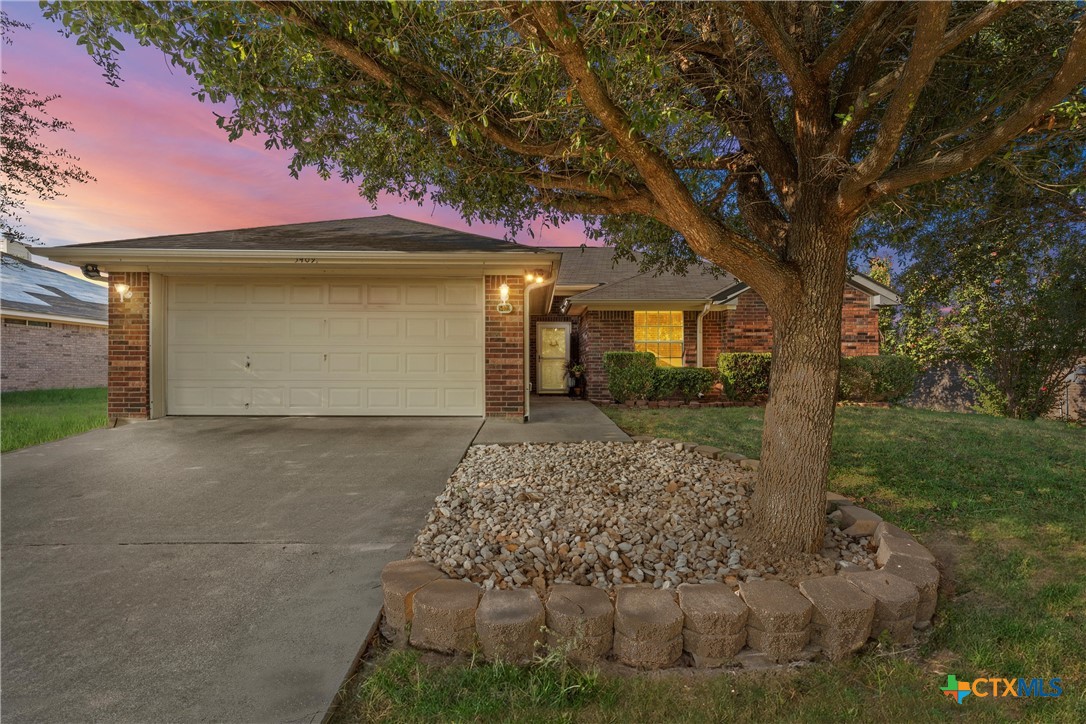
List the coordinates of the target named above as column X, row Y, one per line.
column 206, row 569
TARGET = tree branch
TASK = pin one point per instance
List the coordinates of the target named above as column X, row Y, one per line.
column 917, row 69
column 425, row 100
column 1071, row 74
column 780, row 46
column 858, row 26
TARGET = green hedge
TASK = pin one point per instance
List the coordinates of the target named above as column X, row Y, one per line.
column 629, row 374
column 744, row 374
column 687, row 382
column 883, row 378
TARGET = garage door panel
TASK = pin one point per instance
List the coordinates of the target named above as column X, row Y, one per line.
column 319, row 347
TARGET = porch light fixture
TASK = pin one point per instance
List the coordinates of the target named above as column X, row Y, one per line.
column 123, row 290
column 504, row 307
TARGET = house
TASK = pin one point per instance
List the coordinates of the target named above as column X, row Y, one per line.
column 385, row 316
column 52, row 326
column 603, row 304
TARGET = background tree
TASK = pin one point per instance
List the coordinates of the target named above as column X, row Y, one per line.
column 29, row 166
column 753, row 135
column 998, row 286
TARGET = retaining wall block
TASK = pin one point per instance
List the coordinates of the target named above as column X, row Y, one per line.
column 509, row 625
column 891, row 545
column 859, row 522
column 712, row 608
column 444, row 617
column 647, row 614
column 580, row 621
column 400, row 580
column 924, row 576
column 779, row 645
column 896, row 602
column 775, row 606
column 650, row 653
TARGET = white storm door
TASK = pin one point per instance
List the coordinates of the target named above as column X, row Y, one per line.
column 350, row 346
column 552, row 356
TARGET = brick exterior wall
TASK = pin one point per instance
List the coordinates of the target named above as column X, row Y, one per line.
column 553, row 315
column 859, row 325
column 504, row 351
column 44, row 358
column 713, row 328
column 129, row 348
column 602, row 331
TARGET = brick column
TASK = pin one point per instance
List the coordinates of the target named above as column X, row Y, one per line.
column 504, row 352
column 603, row 331
column 129, row 348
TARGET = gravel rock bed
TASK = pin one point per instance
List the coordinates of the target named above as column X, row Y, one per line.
column 604, row 514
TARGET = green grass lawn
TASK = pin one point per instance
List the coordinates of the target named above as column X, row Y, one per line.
column 1002, row 503
column 31, row 418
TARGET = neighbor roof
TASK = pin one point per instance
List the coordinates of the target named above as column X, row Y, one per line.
column 26, row 286
column 369, row 233
column 623, row 279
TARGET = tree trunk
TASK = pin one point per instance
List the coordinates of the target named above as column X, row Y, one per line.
column 789, row 499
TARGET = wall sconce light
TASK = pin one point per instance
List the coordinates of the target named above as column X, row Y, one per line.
column 504, row 307
column 123, row 290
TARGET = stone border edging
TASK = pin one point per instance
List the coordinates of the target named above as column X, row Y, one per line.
column 762, row 623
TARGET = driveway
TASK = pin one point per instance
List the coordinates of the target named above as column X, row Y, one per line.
column 206, row 569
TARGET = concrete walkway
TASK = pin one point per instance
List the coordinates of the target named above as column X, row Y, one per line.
column 206, row 569
column 553, row 419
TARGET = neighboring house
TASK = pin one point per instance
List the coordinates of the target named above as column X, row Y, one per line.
column 52, row 326
column 385, row 316
column 602, row 304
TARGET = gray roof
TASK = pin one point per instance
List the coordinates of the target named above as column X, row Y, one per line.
column 623, row 280
column 369, row 233
column 26, row 286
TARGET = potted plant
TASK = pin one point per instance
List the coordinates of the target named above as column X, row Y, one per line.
column 576, row 371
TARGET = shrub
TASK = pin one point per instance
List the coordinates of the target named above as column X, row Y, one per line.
column 744, row 374
column 629, row 374
column 884, row 378
column 687, row 382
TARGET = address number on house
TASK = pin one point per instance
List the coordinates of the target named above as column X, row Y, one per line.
column 305, row 260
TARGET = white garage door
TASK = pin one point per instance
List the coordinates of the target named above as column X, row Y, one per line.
column 324, row 347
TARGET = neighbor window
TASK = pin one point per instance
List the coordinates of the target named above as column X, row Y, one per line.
column 662, row 334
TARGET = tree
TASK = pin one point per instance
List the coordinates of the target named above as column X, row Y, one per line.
column 28, row 166
column 1001, row 288
column 751, row 135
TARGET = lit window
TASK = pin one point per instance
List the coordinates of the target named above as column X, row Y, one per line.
column 662, row 334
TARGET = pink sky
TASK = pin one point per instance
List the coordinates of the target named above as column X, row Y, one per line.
column 162, row 166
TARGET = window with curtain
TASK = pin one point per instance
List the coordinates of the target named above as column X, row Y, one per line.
column 662, row 334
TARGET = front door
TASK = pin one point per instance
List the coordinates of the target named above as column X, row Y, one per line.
column 552, row 356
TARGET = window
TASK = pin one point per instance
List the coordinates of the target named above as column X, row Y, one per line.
column 26, row 323
column 662, row 334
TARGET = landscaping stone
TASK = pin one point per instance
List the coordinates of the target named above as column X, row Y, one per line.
column 712, row 650
column 838, row 644
column 750, row 464
column 648, row 654
column 580, row 649
column 884, row 528
column 858, row 522
column 891, row 545
column 647, row 614
column 712, row 609
column 922, row 575
column 838, row 604
column 781, row 646
column 400, row 580
column 707, row 451
column 509, row 625
column 733, row 457
column 896, row 600
column 775, row 606
column 444, row 616
column 835, row 501
column 641, row 438
column 580, row 611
